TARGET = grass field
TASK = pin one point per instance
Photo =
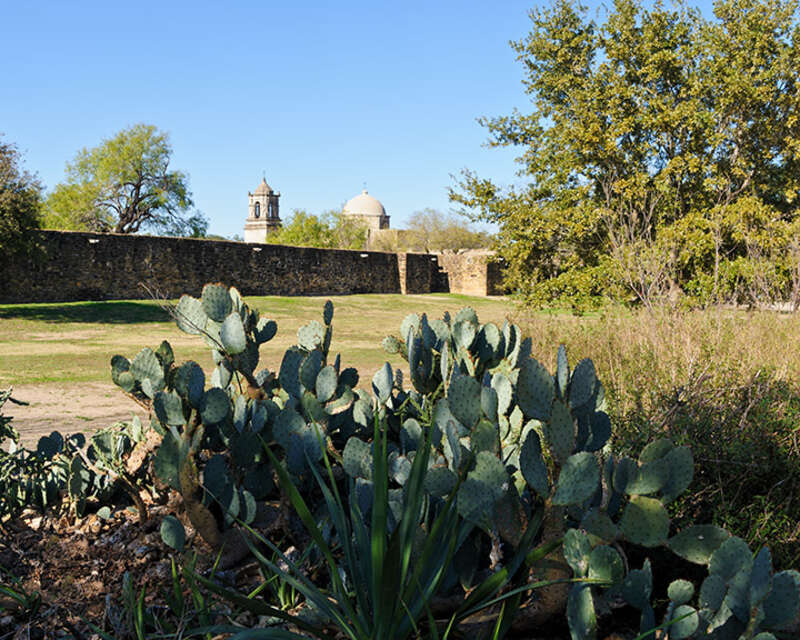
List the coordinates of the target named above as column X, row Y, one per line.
column 73, row 342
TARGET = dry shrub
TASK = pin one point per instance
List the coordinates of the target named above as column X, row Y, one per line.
column 725, row 382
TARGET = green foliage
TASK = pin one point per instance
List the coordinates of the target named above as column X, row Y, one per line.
column 125, row 185
column 660, row 156
column 20, row 203
column 331, row 230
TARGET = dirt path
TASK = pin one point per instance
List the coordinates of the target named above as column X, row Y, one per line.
column 68, row 408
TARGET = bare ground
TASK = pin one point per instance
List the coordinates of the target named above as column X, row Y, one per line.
column 68, row 408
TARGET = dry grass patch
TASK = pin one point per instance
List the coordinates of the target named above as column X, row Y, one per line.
column 725, row 382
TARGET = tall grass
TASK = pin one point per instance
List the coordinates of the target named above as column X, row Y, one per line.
column 725, row 382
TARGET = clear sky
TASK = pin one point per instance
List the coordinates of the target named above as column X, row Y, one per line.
column 320, row 97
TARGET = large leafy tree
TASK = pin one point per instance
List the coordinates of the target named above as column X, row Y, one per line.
column 125, row 185
column 20, row 203
column 660, row 155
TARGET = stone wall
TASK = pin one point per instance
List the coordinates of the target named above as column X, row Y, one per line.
column 88, row 266
column 472, row 273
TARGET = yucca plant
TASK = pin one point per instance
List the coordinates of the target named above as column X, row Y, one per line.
column 383, row 575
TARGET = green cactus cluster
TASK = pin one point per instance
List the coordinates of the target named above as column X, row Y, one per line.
column 67, row 471
column 519, row 455
column 307, row 404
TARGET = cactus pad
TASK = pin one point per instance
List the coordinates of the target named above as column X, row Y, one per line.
column 169, row 408
column 484, row 438
column 681, row 469
column 645, row 522
column 560, row 432
column 482, row 489
column 310, row 368
column 562, row 372
column 452, row 445
column 327, row 312
column 577, row 548
column 649, row 478
column 382, row 382
column 464, row 334
column 638, row 586
column 624, row 474
column 391, row 345
column 760, row 577
column 600, row 431
column 190, row 382
column 190, row 316
column 712, row 592
column 167, row 462
column 581, row 386
column 172, row 533
column 311, row 336
column 505, row 392
column 580, row 612
column 410, row 435
column 440, row 481
column 698, row 543
column 232, row 335
column 357, row 458
column 265, row 330
column 783, row 602
column 289, row 375
column 579, row 479
column 464, row 399
column 145, row 366
column 409, row 323
column 489, row 403
column 535, row 390
column 326, row 383
column 216, row 406
column 606, row 564
column 599, row 524
column 730, row 558
column 216, row 301
column 680, row 591
column 686, row 622
column 656, row 450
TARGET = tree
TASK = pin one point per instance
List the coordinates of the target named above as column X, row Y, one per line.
column 20, row 203
column 432, row 230
column 125, row 185
column 653, row 138
column 331, row 230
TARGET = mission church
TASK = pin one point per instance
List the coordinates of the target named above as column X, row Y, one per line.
column 264, row 216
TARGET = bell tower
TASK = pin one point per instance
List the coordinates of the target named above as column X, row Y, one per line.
column 263, row 216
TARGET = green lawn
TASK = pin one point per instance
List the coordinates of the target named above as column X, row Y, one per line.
column 73, row 342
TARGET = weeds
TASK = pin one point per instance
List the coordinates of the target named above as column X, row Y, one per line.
column 726, row 383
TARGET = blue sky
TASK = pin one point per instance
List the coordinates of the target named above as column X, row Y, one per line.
column 320, row 97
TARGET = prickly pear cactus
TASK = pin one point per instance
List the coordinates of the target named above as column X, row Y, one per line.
column 306, row 405
column 520, row 455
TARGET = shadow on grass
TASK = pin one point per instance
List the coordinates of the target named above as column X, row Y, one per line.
column 113, row 312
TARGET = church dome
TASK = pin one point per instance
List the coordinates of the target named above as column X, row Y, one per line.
column 263, row 188
column 364, row 205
